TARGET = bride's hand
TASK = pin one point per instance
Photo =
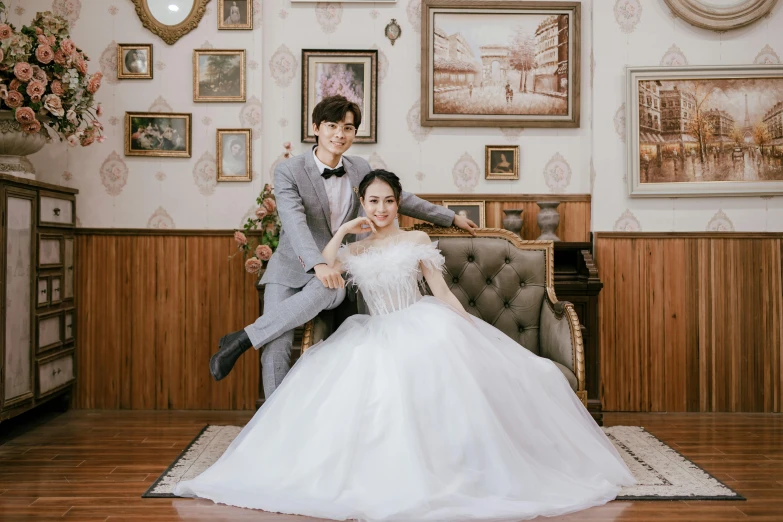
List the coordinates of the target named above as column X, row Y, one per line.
column 359, row 225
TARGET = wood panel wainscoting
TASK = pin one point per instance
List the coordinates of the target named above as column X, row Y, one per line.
column 154, row 304
column 574, row 212
column 691, row 322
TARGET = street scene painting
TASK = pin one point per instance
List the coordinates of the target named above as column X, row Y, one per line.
column 516, row 66
column 708, row 130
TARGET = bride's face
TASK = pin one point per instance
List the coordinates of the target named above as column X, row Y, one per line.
column 379, row 204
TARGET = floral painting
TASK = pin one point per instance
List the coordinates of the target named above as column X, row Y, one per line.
column 352, row 74
column 157, row 134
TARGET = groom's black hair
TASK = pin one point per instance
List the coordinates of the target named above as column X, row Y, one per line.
column 390, row 178
column 333, row 109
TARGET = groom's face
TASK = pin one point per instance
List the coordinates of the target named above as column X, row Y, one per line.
column 336, row 137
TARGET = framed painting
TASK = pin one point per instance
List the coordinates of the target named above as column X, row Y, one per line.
column 219, row 75
column 473, row 210
column 235, row 14
column 501, row 162
column 354, row 74
column 705, row 131
column 162, row 134
column 234, row 155
column 134, row 61
column 500, row 63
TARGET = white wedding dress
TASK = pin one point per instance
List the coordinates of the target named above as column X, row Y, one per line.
column 413, row 413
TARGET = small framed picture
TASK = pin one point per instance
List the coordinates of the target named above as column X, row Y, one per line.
column 473, row 210
column 350, row 73
column 234, row 155
column 162, row 134
column 219, row 75
column 501, row 162
column 235, row 14
column 134, row 61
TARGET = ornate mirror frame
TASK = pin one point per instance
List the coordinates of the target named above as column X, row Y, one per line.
column 695, row 12
column 170, row 33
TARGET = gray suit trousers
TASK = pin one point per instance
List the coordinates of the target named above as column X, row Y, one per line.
column 286, row 308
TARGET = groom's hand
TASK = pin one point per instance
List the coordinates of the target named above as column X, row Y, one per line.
column 465, row 224
column 330, row 277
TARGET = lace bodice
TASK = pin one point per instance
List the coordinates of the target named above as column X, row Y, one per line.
column 388, row 275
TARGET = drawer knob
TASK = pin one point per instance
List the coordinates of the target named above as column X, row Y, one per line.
column 56, row 211
column 43, row 291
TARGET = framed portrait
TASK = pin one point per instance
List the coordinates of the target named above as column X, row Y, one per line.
column 473, row 210
column 134, row 61
column 720, row 15
column 234, row 155
column 162, row 134
column 235, row 14
column 500, row 63
column 219, row 75
column 354, row 74
column 501, row 162
column 704, row 131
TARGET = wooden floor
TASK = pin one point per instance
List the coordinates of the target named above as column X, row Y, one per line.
column 94, row 465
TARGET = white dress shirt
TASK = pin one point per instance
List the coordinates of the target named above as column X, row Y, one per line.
column 338, row 192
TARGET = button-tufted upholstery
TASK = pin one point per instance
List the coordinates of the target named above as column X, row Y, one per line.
column 508, row 283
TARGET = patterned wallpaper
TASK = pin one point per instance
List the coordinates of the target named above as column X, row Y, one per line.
column 140, row 192
column 428, row 159
column 182, row 193
column 645, row 32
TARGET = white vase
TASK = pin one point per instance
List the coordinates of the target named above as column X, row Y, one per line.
column 16, row 144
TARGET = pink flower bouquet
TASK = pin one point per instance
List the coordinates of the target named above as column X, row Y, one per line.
column 263, row 228
column 44, row 80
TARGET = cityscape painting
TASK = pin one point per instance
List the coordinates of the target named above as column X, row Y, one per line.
column 705, row 130
column 486, row 64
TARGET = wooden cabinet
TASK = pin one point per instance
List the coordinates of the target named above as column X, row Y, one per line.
column 37, row 343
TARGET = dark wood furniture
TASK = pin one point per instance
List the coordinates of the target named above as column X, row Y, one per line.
column 38, row 320
column 577, row 281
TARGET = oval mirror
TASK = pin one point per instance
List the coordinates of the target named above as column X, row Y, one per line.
column 170, row 19
column 170, row 12
column 720, row 15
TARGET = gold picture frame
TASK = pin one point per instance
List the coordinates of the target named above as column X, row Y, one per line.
column 497, row 164
column 473, row 210
column 234, row 165
column 134, row 61
column 216, row 80
column 226, row 15
column 170, row 33
column 152, row 136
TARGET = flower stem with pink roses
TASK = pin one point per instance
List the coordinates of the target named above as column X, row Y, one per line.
column 44, row 80
column 267, row 222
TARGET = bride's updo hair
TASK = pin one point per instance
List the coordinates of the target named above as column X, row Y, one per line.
column 390, row 178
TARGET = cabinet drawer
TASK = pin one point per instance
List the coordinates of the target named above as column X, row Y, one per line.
column 54, row 210
column 70, row 325
column 42, row 292
column 54, row 373
column 50, row 250
column 48, row 331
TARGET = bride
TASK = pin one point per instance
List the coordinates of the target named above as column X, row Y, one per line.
column 418, row 411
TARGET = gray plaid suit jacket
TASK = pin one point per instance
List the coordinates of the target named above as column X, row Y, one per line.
column 304, row 211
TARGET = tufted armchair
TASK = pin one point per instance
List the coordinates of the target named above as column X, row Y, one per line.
column 507, row 282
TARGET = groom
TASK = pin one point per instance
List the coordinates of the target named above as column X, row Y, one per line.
column 315, row 194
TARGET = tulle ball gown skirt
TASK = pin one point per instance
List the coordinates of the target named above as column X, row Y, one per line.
column 418, row 415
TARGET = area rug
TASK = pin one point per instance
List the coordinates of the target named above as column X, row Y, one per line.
column 661, row 473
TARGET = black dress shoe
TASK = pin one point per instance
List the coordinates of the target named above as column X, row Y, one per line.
column 230, row 347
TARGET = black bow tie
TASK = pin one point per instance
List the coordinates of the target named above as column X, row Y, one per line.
column 328, row 173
